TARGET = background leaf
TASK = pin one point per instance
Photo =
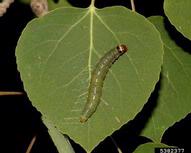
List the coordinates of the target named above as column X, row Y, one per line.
column 179, row 14
column 60, row 141
column 149, row 147
column 174, row 97
column 56, row 54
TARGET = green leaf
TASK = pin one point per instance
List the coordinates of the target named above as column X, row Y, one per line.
column 174, row 97
column 56, row 54
column 60, row 141
column 179, row 14
column 149, row 147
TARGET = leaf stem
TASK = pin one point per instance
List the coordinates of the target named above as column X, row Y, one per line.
column 133, row 5
column 92, row 3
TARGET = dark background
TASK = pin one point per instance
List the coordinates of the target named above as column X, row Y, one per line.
column 20, row 121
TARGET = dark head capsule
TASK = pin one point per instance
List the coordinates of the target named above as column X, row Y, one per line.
column 122, row 48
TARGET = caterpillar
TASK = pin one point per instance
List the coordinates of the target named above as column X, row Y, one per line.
column 97, row 80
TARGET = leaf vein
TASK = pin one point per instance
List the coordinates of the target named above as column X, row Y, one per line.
column 65, row 34
column 108, row 28
column 179, row 61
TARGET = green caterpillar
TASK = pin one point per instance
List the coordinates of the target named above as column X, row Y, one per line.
column 97, row 79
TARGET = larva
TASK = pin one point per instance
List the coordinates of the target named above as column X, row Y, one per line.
column 97, row 79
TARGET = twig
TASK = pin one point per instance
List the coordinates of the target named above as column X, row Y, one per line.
column 114, row 142
column 39, row 7
column 4, row 5
column 10, row 93
column 31, row 144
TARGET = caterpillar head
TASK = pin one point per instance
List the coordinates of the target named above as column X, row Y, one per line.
column 122, row 48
